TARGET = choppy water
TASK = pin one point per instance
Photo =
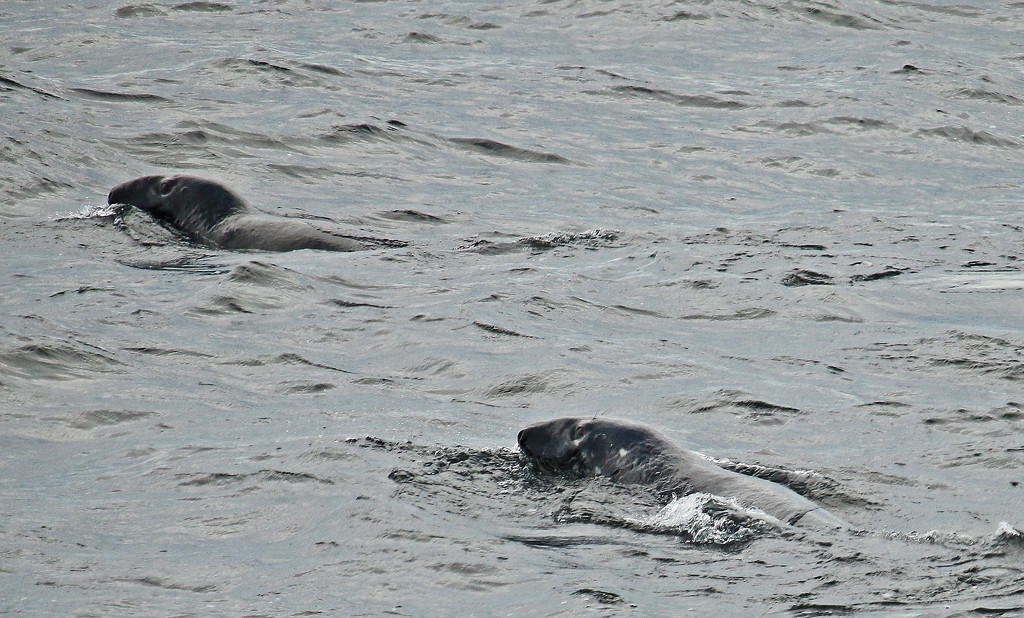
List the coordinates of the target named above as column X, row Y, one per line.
column 787, row 234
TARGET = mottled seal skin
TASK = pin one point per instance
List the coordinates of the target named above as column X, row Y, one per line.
column 212, row 214
column 631, row 453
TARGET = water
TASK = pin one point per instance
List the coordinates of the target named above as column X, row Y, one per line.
column 788, row 235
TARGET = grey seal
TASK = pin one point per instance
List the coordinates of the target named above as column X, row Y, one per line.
column 210, row 213
column 631, row 453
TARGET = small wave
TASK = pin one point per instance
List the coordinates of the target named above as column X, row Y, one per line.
column 601, row 596
column 105, row 95
column 560, row 239
column 82, row 289
column 591, row 239
column 154, row 351
column 968, row 136
column 159, row 582
column 935, row 537
column 224, row 478
column 348, row 304
column 412, row 216
column 267, row 275
column 548, row 382
column 191, row 263
column 421, row 37
column 460, row 21
column 153, row 10
column 685, row 16
column 836, row 125
column 55, row 361
column 498, row 149
column 1005, row 538
column 736, row 402
column 665, row 96
column 1007, row 369
column 287, row 358
column 498, row 330
column 323, row 68
column 219, row 306
column 213, row 133
column 753, row 313
column 638, row 311
column 305, row 172
column 353, row 132
column 10, row 82
column 40, row 186
column 105, row 418
column 204, row 7
column 806, row 277
column 275, row 72
column 882, row 274
column 255, row 287
column 1008, row 535
column 986, row 95
column 304, row 388
column 139, row 10
column 842, row 20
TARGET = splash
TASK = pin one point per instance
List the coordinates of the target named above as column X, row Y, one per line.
column 1008, row 536
column 707, row 519
column 91, row 211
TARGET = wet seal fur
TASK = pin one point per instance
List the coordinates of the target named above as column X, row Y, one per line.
column 631, row 453
column 210, row 213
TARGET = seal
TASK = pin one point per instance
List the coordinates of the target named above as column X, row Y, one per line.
column 631, row 453
column 210, row 213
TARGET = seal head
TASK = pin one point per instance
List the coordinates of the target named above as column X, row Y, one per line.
column 625, row 452
column 187, row 202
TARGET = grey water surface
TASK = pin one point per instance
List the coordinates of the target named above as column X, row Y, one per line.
column 786, row 234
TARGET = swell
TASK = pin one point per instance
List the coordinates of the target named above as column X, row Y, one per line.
column 104, row 95
column 56, row 360
column 497, row 149
column 666, row 96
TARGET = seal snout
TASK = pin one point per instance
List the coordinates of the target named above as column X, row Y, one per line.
column 527, row 441
column 134, row 192
column 524, row 442
column 118, row 195
column 548, row 443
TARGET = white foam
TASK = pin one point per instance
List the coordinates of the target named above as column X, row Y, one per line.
column 710, row 519
column 90, row 211
column 1007, row 530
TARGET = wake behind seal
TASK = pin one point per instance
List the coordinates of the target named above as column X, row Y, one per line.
column 212, row 214
column 631, row 453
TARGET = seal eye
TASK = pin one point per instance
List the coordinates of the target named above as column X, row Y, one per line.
column 166, row 186
column 579, row 432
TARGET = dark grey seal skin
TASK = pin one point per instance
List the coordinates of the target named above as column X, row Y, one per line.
column 212, row 214
column 631, row 453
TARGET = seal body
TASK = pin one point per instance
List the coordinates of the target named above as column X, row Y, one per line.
column 210, row 213
column 631, row 453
